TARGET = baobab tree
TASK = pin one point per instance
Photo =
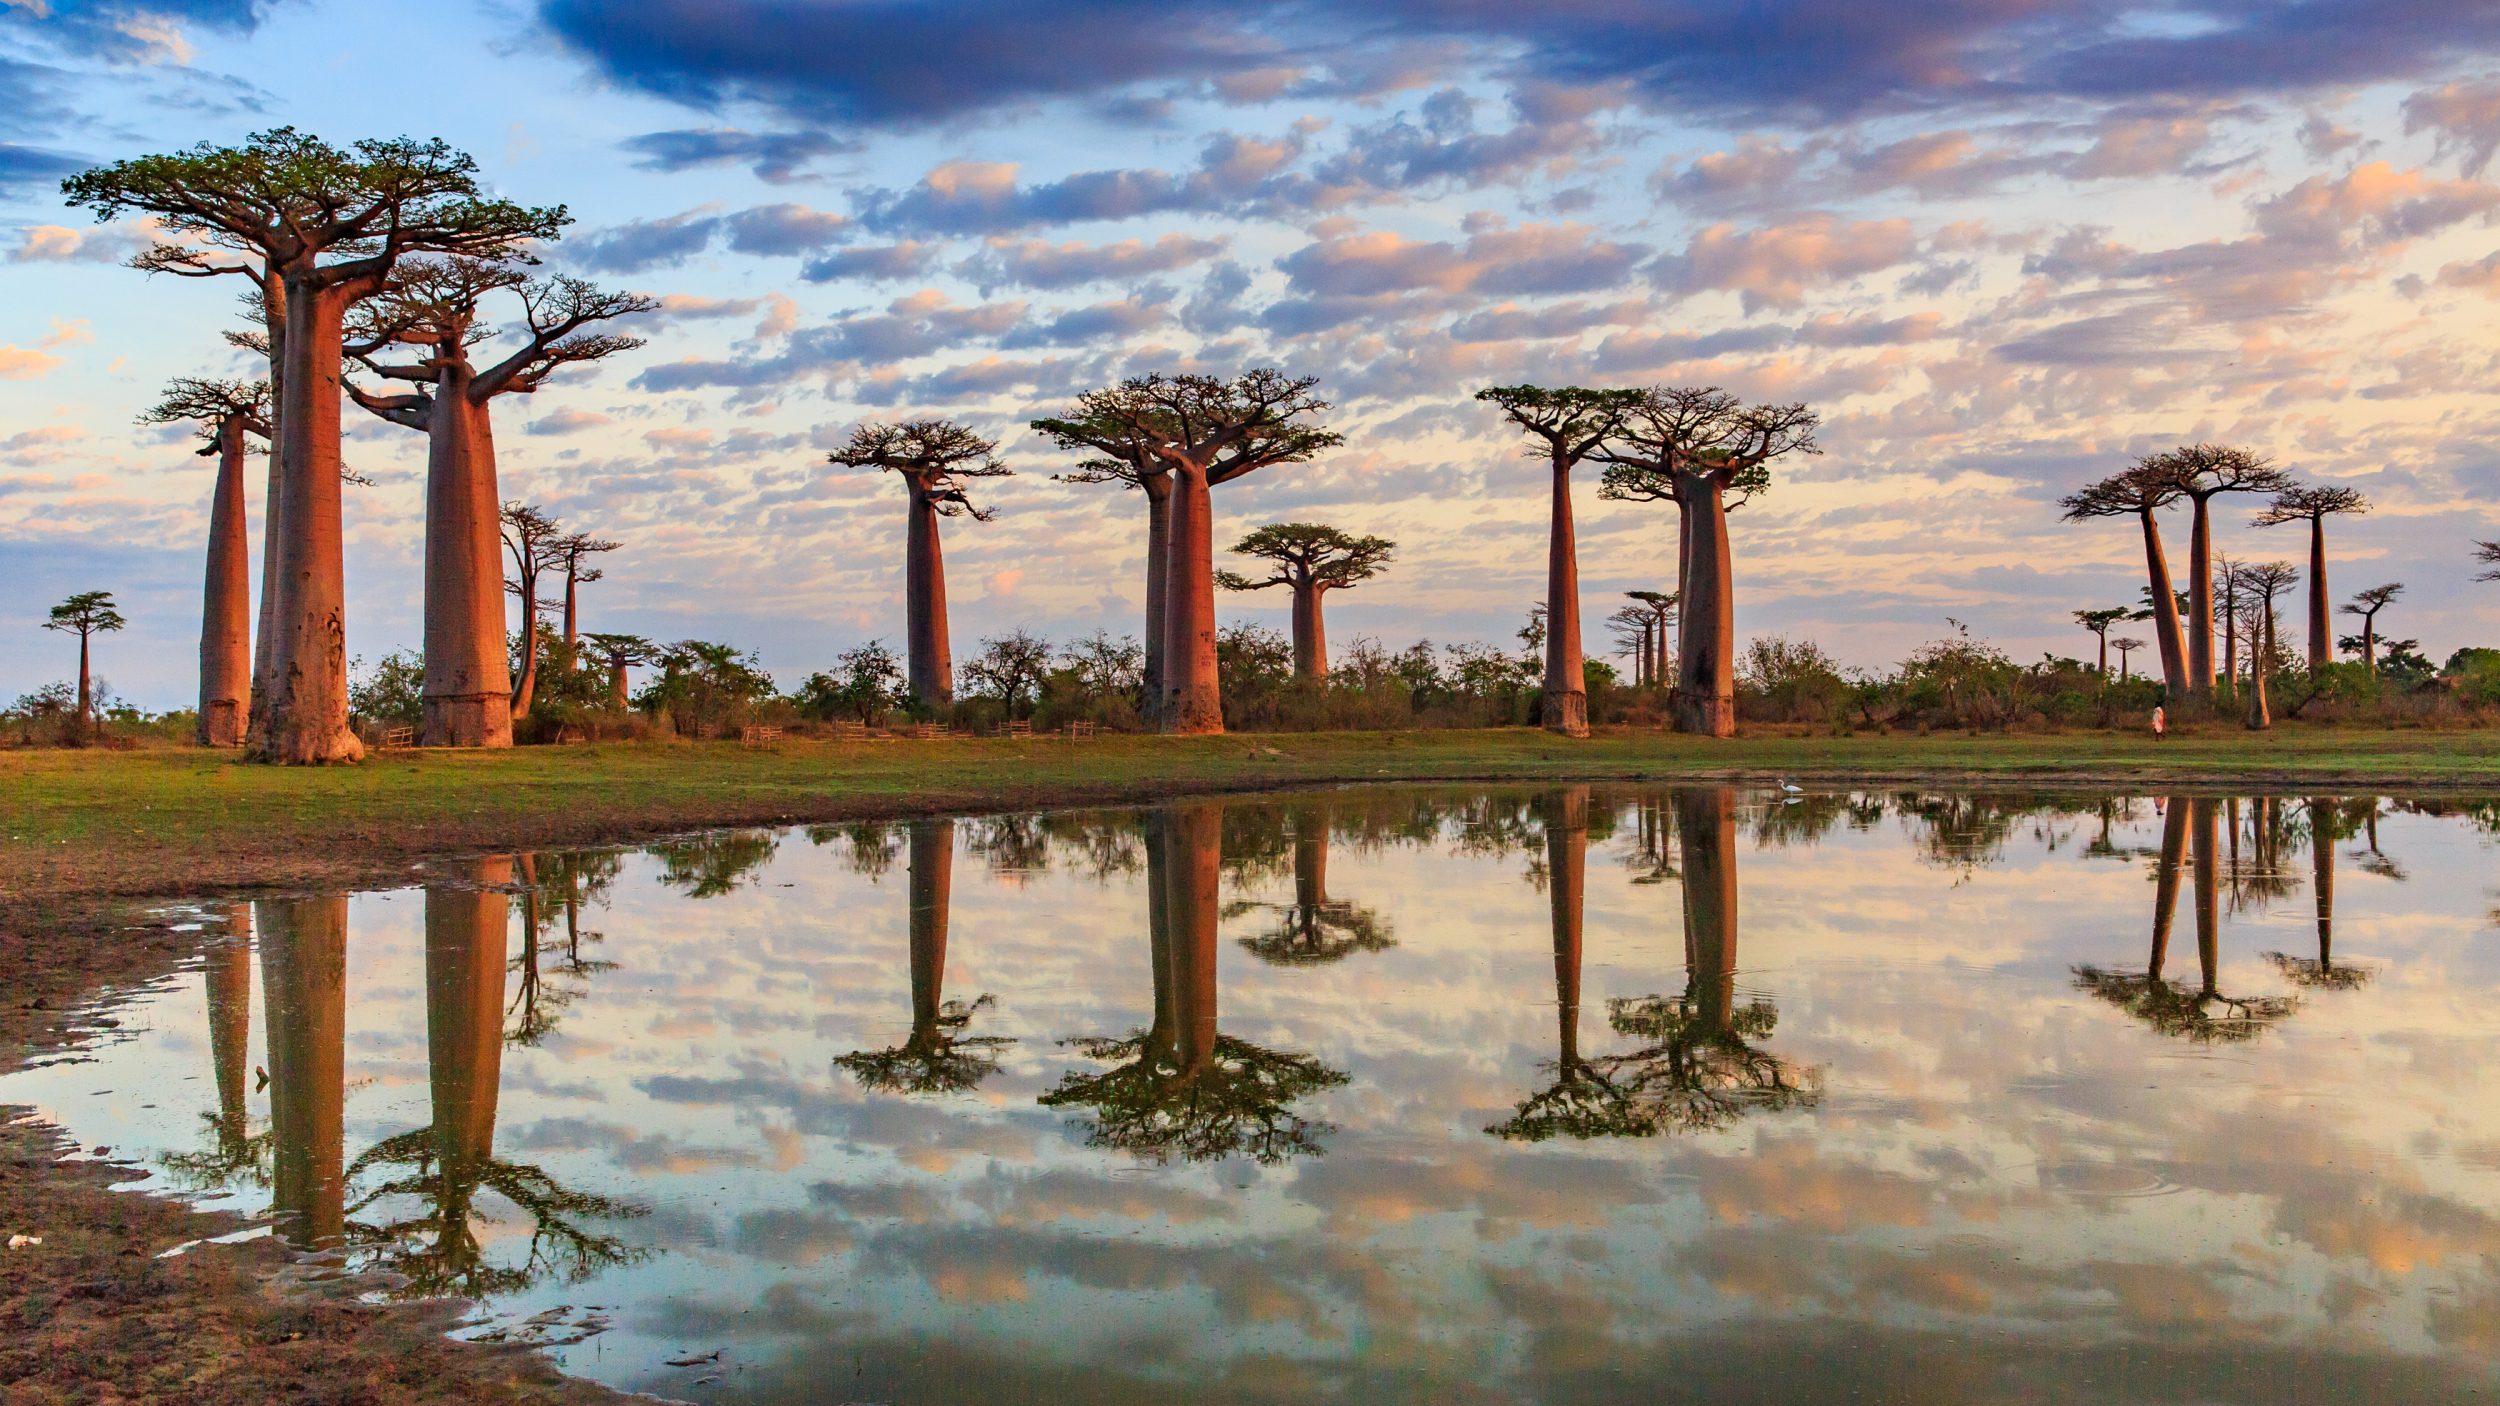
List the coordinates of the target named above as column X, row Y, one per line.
column 2205, row 472
column 434, row 308
column 573, row 552
column 1694, row 448
column 2226, row 589
column 2367, row 604
column 1632, row 626
column 937, row 459
column 2141, row 490
column 2487, row 554
column 1203, row 431
column 228, row 414
column 2126, row 645
column 1661, row 606
column 529, row 536
column 1310, row 559
column 619, row 653
column 86, row 614
column 2260, row 584
column 331, row 225
column 2099, row 623
column 1566, row 425
column 2314, row 506
column 1125, row 461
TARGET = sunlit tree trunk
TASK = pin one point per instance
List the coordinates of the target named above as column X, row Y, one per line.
column 306, row 717
column 303, row 974
column 932, row 884
column 226, row 612
column 1194, row 701
column 468, row 697
column 1158, row 490
column 2261, row 657
column 2165, row 607
column 272, row 579
column 1310, row 635
column 1705, row 694
column 2200, row 622
column 616, row 685
column 924, row 589
column 1566, row 703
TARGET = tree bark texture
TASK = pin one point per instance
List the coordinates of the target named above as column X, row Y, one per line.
column 1310, row 634
column 616, row 685
column 1705, row 693
column 272, row 580
column 2165, row 608
column 1566, row 702
column 1158, row 491
column 2200, row 621
column 226, row 607
column 305, row 720
column 2261, row 653
column 1193, row 698
column 932, row 662
column 468, row 698
column 2321, row 616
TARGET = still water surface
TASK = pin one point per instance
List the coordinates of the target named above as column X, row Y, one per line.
column 1510, row 1095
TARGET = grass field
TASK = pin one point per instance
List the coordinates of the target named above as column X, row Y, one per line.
column 171, row 820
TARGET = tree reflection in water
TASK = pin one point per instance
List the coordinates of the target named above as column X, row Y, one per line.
column 1700, row 1066
column 2328, row 823
column 1313, row 930
column 937, row 1057
column 448, row 1163
column 2202, row 1013
column 707, row 866
column 1181, row 1090
column 234, row 1154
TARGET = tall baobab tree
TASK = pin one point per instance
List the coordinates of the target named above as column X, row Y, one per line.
column 2367, row 604
column 435, row 308
column 86, row 615
column 938, row 460
column 2226, row 595
column 1124, row 460
column 1204, row 431
column 331, row 225
column 2260, row 584
column 2099, row 623
column 229, row 413
column 2126, row 645
column 2314, row 506
column 619, row 653
column 1694, row 448
column 1565, row 425
column 573, row 552
column 1310, row 559
column 529, row 536
column 2141, row 490
column 1661, row 606
column 2205, row 472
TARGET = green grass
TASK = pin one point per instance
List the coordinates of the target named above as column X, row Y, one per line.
column 173, row 819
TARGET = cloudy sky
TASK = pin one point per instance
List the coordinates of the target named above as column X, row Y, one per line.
column 2001, row 245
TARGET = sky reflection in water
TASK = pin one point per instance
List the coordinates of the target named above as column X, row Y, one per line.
column 1406, row 1094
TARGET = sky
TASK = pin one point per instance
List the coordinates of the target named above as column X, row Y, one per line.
column 2002, row 246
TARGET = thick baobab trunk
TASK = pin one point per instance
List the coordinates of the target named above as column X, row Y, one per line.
column 924, row 604
column 1705, row 820
column 86, row 695
column 305, row 721
column 1193, row 698
column 1193, row 867
column 2104, row 638
column 616, row 684
column 572, row 610
column 468, row 674
column 2261, row 653
column 932, row 884
column 1158, row 490
column 465, row 925
column 2200, row 621
column 273, row 326
column 303, row 975
column 2174, row 835
column 226, row 610
column 2321, row 627
column 1566, row 879
column 2165, row 608
column 525, row 683
column 2369, row 645
column 1565, row 706
column 229, row 982
column 1310, row 635
column 1705, row 693
column 2202, row 837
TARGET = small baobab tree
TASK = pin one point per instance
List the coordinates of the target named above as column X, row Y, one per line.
column 328, row 227
column 2261, row 583
column 573, row 552
column 1202, row 431
column 2314, row 505
column 86, row 615
column 2205, row 472
column 1698, row 449
column 2126, row 645
column 2226, row 597
column 619, row 653
column 228, row 414
column 938, row 460
column 435, row 308
column 1310, row 559
column 1631, row 626
column 530, row 535
column 1565, row 426
column 2099, row 623
column 2367, row 604
column 1660, row 606
column 2140, row 491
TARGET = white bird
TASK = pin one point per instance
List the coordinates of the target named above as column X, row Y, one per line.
column 1792, row 788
